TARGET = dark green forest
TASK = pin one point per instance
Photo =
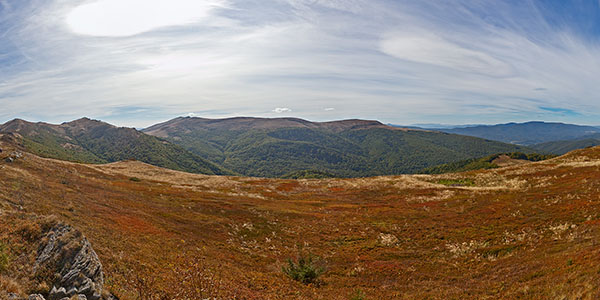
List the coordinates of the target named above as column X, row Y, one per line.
column 361, row 152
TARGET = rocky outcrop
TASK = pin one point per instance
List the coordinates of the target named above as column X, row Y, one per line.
column 72, row 267
column 13, row 156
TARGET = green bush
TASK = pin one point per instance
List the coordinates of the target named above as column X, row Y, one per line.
column 305, row 269
column 3, row 258
column 358, row 295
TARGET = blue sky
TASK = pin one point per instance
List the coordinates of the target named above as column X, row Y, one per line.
column 138, row 62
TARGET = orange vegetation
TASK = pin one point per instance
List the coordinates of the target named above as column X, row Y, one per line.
column 520, row 232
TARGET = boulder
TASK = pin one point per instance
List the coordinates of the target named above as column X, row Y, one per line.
column 66, row 257
column 36, row 297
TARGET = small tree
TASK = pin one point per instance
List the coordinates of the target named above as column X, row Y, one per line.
column 305, row 269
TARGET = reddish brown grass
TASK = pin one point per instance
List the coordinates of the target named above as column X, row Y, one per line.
column 521, row 232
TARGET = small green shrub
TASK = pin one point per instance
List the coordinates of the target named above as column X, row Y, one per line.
column 358, row 295
column 135, row 179
column 4, row 261
column 305, row 269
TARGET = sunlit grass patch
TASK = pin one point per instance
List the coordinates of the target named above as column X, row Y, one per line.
column 498, row 251
column 457, row 182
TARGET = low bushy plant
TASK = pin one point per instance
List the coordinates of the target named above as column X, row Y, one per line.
column 357, row 295
column 306, row 269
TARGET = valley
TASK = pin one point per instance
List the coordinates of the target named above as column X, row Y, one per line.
column 523, row 231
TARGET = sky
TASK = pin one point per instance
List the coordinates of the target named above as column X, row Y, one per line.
column 138, row 62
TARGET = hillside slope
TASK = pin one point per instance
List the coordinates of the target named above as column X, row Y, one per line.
column 526, row 133
column 527, row 231
column 348, row 148
column 562, row 147
column 489, row 162
column 92, row 141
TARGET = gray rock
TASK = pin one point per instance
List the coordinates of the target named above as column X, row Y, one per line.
column 36, row 297
column 57, row 293
column 112, row 297
column 13, row 296
column 86, row 288
column 67, row 253
column 72, row 291
column 14, row 156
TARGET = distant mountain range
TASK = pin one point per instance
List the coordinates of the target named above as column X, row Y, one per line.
column 435, row 126
column 550, row 138
column 562, row 147
column 348, row 148
column 529, row 133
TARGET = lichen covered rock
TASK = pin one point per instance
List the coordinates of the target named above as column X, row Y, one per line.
column 67, row 262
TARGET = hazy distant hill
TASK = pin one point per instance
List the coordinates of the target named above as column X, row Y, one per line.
column 92, row 141
column 349, row 148
column 562, row 147
column 526, row 133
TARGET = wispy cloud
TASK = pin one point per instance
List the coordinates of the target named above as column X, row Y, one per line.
column 398, row 61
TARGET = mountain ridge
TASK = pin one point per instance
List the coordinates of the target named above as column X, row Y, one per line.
column 93, row 141
column 275, row 147
column 245, row 123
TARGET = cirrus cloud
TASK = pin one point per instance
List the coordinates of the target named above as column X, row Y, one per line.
column 429, row 61
column 429, row 48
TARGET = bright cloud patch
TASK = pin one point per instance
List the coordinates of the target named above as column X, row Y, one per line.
column 432, row 49
column 130, row 17
column 280, row 110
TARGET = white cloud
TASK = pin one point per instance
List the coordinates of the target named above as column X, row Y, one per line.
column 280, row 110
column 130, row 17
column 429, row 48
column 329, row 109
